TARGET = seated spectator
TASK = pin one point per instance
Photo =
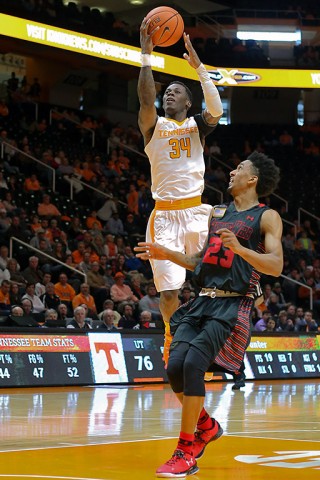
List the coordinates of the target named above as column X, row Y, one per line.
column 108, row 208
column 65, row 291
column 305, row 246
column 133, row 200
column 79, row 319
column 121, row 293
column 38, row 306
column 85, row 297
column 271, row 325
column 54, row 230
column 16, row 311
column 151, row 302
column 106, row 272
column 10, row 204
column 146, row 321
column 93, row 222
column 311, row 324
column 27, row 307
column 41, row 286
column 47, row 209
column 115, row 225
column 16, row 277
column 97, row 245
column 277, row 289
column 133, row 229
column 111, row 249
column 97, row 284
column 261, row 324
column 273, row 304
column 15, row 294
column 59, row 251
column 127, row 320
column 186, row 295
column 136, row 287
column 109, row 304
column 85, row 264
column 78, row 254
column 118, row 265
column 108, row 321
column 5, row 296
column 4, row 274
column 285, row 324
column 33, row 274
column 132, row 262
column 32, row 184
column 62, row 311
column 50, row 316
column 4, row 257
column 49, row 299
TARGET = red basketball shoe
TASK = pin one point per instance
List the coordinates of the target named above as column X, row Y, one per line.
column 203, row 437
column 180, row 464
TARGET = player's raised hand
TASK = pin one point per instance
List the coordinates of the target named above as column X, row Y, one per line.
column 191, row 56
column 146, row 38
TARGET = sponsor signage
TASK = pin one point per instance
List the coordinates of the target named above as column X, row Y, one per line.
column 51, row 36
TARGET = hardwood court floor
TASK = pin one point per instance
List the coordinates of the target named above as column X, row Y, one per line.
column 272, row 432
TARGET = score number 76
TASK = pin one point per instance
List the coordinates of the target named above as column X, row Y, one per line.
column 144, row 361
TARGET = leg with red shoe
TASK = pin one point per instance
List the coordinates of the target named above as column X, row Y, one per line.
column 186, row 369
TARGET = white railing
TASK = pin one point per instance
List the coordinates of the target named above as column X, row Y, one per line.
column 282, row 199
column 295, row 229
column 14, row 239
column 79, row 124
column 74, row 180
column 124, row 147
column 34, row 159
column 301, row 285
column 210, row 187
column 36, row 109
column 306, row 212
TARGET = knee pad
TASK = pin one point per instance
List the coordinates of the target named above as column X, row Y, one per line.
column 175, row 365
column 195, row 367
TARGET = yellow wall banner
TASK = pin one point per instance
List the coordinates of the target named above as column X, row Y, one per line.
column 97, row 47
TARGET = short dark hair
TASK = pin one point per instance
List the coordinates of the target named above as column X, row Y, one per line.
column 267, row 171
column 187, row 89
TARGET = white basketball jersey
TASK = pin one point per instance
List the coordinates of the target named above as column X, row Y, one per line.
column 175, row 153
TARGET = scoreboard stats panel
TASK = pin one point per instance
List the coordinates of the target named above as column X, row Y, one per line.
column 31, row 360
column 39, row 359
column 283, row 357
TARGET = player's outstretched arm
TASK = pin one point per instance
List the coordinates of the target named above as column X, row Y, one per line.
column 146, row 87
column 154, row 251
column 214, row 109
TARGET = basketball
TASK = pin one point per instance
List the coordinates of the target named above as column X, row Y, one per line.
column 171, row 26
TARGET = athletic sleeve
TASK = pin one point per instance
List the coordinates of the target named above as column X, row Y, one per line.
column 204, row 128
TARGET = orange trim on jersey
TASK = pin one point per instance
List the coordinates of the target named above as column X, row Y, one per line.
column 178, row 204
column 175, row 121
column 153, row 213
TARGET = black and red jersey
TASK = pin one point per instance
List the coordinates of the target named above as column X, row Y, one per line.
column 221, row 268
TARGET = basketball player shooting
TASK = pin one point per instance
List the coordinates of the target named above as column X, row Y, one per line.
column 174, row 145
